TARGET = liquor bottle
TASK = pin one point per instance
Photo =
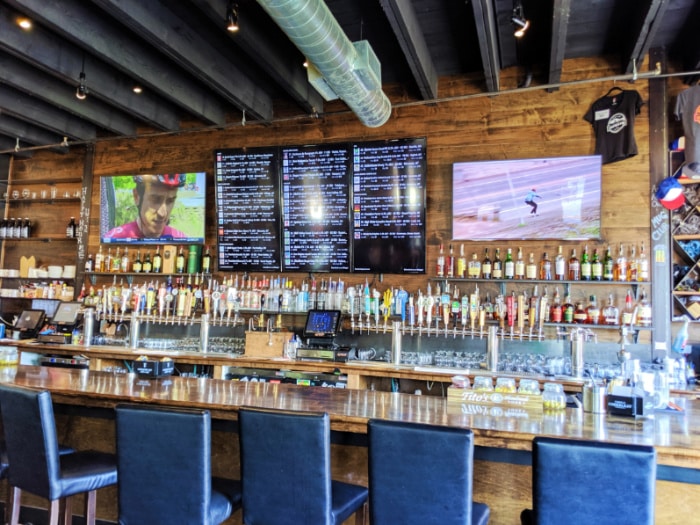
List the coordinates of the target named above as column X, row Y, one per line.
column 17, row 230
column 147, row 265
column 580, row 315
column 157, row 263
column 90, row 263
column 497, row 266
column 486, row 267
column 180, row 261
column 608, row 265
column 559, row 265
column 546, row 267
column 450, row 263
column 509, row 265
column 555, row 313
column 108, row 261
column 620, row 267
column 567, row 310
column 137, row 266
column 26, row 228
column 596, row 266
column 99, row 260
column 440, row 267
column 474, row 268
column 531, row 267
column 125, row 263
column 593, row 311
column 116, row 262
column 632, row 265
column 611, row 314
column 71, row 228
column 643, row 310
column 461, row 263
column 520, row 265
column 574, row 266
column 642, row 265
column 206, row 261
column 628, row 310
column 585, row 265
column 3, row 229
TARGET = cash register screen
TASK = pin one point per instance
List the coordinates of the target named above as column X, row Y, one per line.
column 322, row 323
column 66, row 313
column 30, row 320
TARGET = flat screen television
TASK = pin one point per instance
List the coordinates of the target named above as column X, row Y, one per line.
column 322, row 324
column 389, row 179
column 543, row 198
column 153, row 208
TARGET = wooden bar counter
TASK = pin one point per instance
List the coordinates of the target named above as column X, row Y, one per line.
column 502, row 470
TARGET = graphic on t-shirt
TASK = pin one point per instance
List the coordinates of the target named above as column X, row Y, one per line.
column 617, row 123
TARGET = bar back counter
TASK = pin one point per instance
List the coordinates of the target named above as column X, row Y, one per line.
column 502, row 476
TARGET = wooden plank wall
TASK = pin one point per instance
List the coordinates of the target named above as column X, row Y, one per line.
column 508, row 126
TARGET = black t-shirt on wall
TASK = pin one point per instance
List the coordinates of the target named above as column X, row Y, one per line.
column 612, row 118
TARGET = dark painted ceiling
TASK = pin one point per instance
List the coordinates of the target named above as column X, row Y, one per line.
column 193, row 71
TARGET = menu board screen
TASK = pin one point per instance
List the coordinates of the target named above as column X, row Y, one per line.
column 315, row 202
column 323, row 208
column 247, row 203
column 389, row 206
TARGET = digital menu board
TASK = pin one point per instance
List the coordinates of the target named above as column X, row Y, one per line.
column 247, row 203
column 389, row 206
column 336, row 207
column 315, row 200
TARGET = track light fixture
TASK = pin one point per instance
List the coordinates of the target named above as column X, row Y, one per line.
column 82, row 91
column 519, row 21
column 232, row 17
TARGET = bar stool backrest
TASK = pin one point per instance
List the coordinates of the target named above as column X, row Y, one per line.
column 285, row 467
column 31, row 441
column 419, row 473
column 164, row 465
column 583, row 482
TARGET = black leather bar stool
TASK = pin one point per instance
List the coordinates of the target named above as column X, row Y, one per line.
column 421, row 474
column 164, row 460
column 4, row 469
column 286, row 471
column 584, row 482
column 36, row 466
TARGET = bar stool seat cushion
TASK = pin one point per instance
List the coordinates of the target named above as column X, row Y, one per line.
column 84, row 472
column 346, row 499
column 580, row 482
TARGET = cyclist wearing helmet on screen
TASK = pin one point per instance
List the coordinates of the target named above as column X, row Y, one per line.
column 154, row 196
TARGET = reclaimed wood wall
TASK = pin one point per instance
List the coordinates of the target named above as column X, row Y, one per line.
column 523, row 124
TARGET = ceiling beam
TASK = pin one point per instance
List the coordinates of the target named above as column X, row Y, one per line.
column 645, row 34
column 63, row 60
column 36, row 136
column 163, row 29
column 42, row 114
column 486, row 30
column 560, row 28
column 29, row 80
column 79, row 22
column 288, row 72
column 403, row 20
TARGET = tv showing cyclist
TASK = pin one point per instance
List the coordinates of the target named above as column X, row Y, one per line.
column 154, row 197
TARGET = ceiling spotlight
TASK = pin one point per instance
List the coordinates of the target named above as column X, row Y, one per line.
column 65, row 142
column 137, row 89
column 519, row 21
column 232, row 17
column 24, row 23
column 17, row 144
column 82, row 91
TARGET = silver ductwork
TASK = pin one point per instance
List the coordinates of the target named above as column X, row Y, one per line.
column 337, row 66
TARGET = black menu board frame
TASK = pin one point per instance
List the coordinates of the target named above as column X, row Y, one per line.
column 381, row 229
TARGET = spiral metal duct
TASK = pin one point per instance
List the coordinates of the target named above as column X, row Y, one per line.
column 350, row 70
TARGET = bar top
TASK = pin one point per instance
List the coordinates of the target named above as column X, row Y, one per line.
column 676, row 436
